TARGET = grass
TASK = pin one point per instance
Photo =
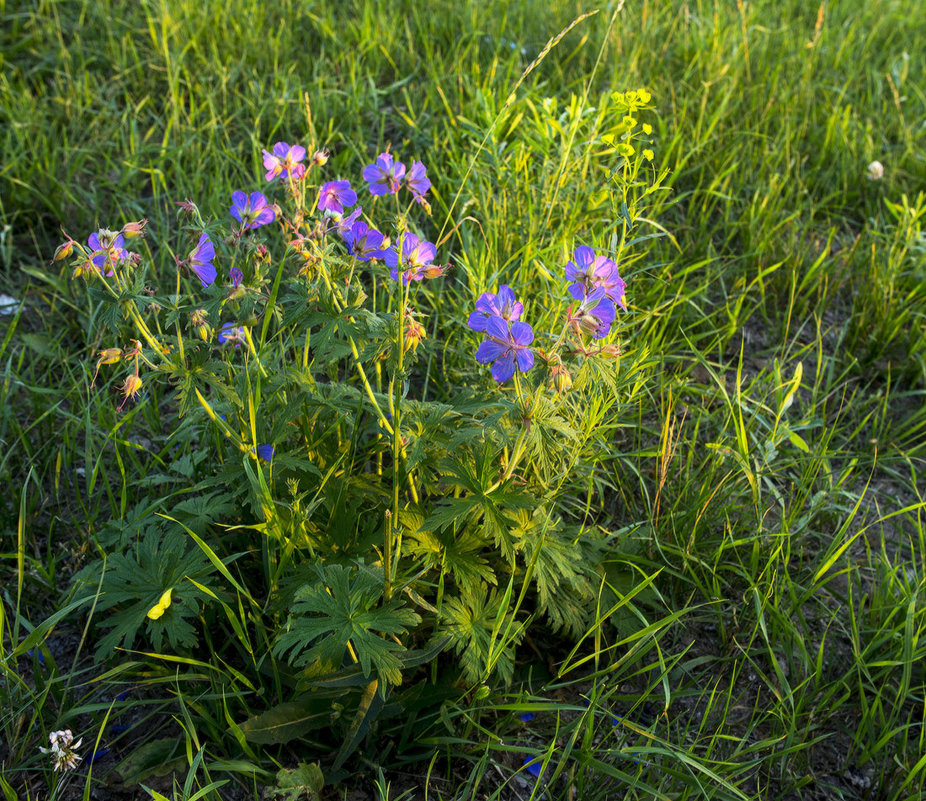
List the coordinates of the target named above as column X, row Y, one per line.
column 761, row 623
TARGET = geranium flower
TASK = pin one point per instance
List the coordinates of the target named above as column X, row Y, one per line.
column 232, row 333
column 417, row 257
column 335, row 196
column 417, row 181
column 251, row 211
column 200, row 260
column 384, row 175
column 284, row 161
column 501, row 305
column 595, row 314
column 344, row 222
column 366, row 243
column 506, row 346
column 588, row 272
column 107, row 249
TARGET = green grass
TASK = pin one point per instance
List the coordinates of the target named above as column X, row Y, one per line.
column 779, row 649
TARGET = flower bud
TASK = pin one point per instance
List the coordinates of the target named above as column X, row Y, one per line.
column 63, row 251
column 414, row 333
column 560, row 378
column 130, row 388
column 133, row 229
column 202, row 328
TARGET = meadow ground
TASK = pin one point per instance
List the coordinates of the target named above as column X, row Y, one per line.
column 760, row 498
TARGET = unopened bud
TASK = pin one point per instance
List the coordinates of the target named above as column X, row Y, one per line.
column 202, row 328
column 130, row 388
column 64, row 250
column 106, row 356
column 133, row 229
column 560, row 378
column 414, row 333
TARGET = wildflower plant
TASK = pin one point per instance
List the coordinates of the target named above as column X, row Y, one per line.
column 336, row 522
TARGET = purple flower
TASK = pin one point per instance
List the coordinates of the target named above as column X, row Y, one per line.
column 334, row 196
column 384, row 175
column 527, row 717
column 365, row 243
column 501, row 305
column 265, row 452
column 253, row 211
column 235, row 276
column 534, row 765
column 589, row 272
column 107, row 249
column 284, row 161
column 506, row 344
column 200, row 260
column 417, row 257
column 232, row 333
column 417, row 181
column 344, row 223
column 595, row 314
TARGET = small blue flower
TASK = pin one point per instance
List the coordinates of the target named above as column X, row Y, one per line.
column 527, row 717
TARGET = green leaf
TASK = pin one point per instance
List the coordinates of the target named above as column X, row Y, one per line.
column 289, row 720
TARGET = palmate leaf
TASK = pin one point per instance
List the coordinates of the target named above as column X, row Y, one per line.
column 135, row 582
column 341, row 612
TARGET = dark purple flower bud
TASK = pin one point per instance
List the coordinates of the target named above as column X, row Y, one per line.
column 335, row 196
column 265, row 452
column 251, row 211
column 235, row 276
column 384, row 175
column 506, row 345
column 501, row 305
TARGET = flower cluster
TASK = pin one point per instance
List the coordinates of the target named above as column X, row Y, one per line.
column 63, row 750
column 597, row 286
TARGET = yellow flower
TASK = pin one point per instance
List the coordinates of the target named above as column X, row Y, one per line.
column 648, row 154
column 160, row 607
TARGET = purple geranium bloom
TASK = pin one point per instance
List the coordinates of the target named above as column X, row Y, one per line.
column 231, row 333
column 417, row 180
column 366, row 243
column 384, row 175
column 253, row 211
column 417, row 256
column 235, row 276
column 501, row 305
column 595, row 314
column 265, row 452
column 344, row 224
column 506, row 344
column 107, row 249
column 534, row 765
column 201, row 260
column 335, row 196
column 284, row 161
column 589, row 272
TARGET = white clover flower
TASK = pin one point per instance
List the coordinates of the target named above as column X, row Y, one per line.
column 875, row 171
column 63, row 750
